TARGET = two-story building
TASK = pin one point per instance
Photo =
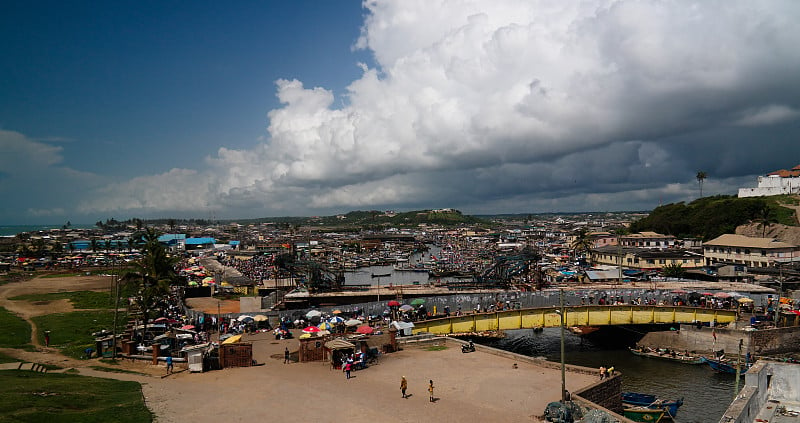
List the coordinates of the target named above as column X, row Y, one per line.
column 749, row 251
column 647, row 240
column 646, row 259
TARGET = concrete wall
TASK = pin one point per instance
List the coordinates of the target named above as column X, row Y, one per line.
column 606, row 393
column 775, row 341
column 765, row 381
column 759, row 342
column 699, row 340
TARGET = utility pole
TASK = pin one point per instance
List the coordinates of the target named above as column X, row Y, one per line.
column 738, row 369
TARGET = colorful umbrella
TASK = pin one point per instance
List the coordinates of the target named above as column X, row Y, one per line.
column 325, row 326
column 187, row 327
column 337, row 311
column 406, row 307
column 311, row 329
column 393, row 303
column 336, row 320
column 417, row 301
column 366, row 330
column 678, row 291
column 722, row 295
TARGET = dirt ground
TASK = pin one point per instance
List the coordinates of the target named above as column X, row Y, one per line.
column 468, row 387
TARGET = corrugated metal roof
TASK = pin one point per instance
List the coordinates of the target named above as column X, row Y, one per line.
column 200, row 241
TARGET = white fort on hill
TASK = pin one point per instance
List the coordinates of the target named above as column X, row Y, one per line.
column 780, row 182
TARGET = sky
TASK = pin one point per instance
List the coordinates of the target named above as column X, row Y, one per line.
column 209, row 110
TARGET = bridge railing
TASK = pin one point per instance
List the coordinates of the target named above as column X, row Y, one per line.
column 575, row 316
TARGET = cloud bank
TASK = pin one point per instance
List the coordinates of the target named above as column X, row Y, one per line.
column 513, row 106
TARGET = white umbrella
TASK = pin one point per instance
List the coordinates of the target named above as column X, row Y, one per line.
column 352, row 322
column 313, row 313
column 243, row 317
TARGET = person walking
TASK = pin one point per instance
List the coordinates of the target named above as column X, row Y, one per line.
column 430, row 389
column 347, row 368
column 47, row 338
column 169, row 364
column 286, row 355
column 403, row 386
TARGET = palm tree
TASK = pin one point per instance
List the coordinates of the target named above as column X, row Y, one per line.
column 152, row 275
column 582, row 243
column 701, row 176
column 765, row 219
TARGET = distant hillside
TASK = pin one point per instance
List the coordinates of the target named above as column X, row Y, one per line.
column 375, row 218
column 709, row 217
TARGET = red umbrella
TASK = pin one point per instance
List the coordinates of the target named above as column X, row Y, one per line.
column 707, row 293
column 393, row 303
column 722, row 295
column 187, row 327
column 366, row 330
column 678, row 291
column 311, row 329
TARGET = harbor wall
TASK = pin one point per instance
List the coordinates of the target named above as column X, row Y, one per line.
column 606, row 393
column 699, row 340
column 775, row 341
column 757, row 342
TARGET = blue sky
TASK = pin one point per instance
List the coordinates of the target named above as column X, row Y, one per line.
column 274, row 108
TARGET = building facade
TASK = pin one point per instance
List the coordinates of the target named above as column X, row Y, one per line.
column 749, row 251
column 781, row 182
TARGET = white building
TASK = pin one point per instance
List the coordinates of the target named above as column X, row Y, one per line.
column 780, row 182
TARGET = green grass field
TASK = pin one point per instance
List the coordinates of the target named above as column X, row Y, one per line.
column 16, row 332
column 72, row 332
column 79, row 299
column 55, row 398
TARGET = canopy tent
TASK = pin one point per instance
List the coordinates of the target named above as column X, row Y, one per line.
column 232, row 340
column 339, row 344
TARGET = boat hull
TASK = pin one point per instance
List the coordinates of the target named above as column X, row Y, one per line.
column 638, row 400
column 723, row 367
column 641, row 414
column 685, row 359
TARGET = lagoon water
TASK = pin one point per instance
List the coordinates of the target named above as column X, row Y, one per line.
column 706, row 393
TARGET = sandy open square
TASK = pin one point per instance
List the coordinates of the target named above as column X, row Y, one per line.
column 468, row 387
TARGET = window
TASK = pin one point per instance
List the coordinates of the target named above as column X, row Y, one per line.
column 662, row 261
column 651, row 261
column 747, row 251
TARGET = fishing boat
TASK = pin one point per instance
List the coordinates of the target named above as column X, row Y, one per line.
column 381, row 275
column 643, row 414
column 636, row 399
column 723, row 366
column 672, row 356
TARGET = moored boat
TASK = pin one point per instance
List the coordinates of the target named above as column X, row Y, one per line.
column 671, row 356
column 723, row 366
column 643, row 414
column 636, row 399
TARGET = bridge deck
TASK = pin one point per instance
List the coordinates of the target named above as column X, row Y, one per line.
column 575, row 316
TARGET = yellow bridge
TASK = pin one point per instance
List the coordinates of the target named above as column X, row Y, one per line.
column 575, row 316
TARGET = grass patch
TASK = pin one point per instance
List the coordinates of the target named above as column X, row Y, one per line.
column 72, row 332
column 436, row 348
column 7, row 359
column 16, row 332
column 113, row 370
column 79, row 299
column 55, row 398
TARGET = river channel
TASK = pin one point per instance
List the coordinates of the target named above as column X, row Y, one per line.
column 706, row 393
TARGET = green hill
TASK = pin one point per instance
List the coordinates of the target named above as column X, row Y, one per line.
column 710, row 217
